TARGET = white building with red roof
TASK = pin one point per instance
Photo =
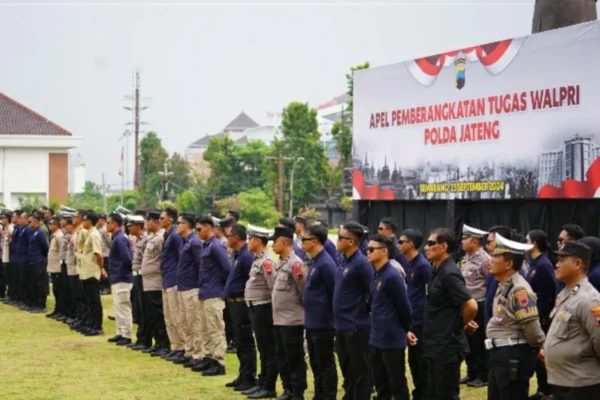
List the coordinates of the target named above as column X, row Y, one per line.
column 34, row 155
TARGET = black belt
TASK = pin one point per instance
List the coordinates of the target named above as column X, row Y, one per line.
column 235, row 299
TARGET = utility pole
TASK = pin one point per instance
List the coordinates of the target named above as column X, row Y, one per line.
column 280, row 159
column 104, row 194
column 165, row 176
column 136, row 132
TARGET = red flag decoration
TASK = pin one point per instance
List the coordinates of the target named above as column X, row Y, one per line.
column 121, row 167
column 571, row 189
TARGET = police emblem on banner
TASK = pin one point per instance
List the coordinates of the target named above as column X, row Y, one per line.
column 459, row 74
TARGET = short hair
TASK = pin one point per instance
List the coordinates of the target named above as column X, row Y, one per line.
column 81, row 212
column 322, row 222
column 234, row 214
column 540, row 238
column 206, row 220
column 68, row 221
column 390, row 222
column 55, row 220
column 517, row 260
column 501, row 230
column 18, row 213
column 318, row 231
column 38, row 216
column 171, row 213
column 288, row 222
column 102, row 216
column 239, row 230
column 355, row 229
column 190, row 219
column 117, row 218
column 50, row 210
column 8, row 215
column 444, row 235
column 386, row 241
column 414, row 235
column 140, row 212
column 92, row 217
column 574, row 231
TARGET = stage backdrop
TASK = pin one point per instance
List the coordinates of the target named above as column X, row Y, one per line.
column 519, row 118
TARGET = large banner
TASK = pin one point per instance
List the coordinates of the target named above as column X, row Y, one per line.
column 519, row 118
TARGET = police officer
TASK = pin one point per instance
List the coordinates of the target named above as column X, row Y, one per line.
column 514, row 332
column 288, row 315
column 38, row 258
column 137, row 242
column 25, row 269
column 7, row 232
column 418, row 274
column 318, row 311
column 475, row 269
column 391, row 320
column 572, row 347
column 259, row 289
column 152, row 286
column 351, row 313
column 106, row 240
column 238, row 309
column 54, row 266
column 289, row 223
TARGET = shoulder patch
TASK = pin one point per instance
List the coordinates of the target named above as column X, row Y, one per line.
column 297, row 270
column 268, row 267
column 596, row 313
column 523, row 297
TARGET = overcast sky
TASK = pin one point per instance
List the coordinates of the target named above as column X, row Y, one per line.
column 202, row 63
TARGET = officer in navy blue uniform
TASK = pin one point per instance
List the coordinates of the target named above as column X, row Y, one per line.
column 15, row 297
column 418, row 274
column 391, row 319
column 25, row 269
column 593, row 273
column 318, row 312
column 238, row 309
column 38, row 258
column 351, row 313
column 329, row 246
column 388, row 227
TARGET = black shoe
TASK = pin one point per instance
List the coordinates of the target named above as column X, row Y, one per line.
column 131, row 345
column 38, row 310
column 52, row 314
column 138, row 347
column 231, row 348
column 124, row 341
column 234, row 383
column 215, row 370
column 150, row 349
column 252, row 390
column 181, row 360
column 176, row 356
column 243, row 386
column 160, row 352
column 70, row 321
column 267, row 394
column 465, row 380
column 173, row 355
column 62, row 318
column 203, row 365
column 477, row 383
column 83, row 329
column 115, row 339
column 95, row 332
column 111, row 317
column 286, row 396
column 57, row 316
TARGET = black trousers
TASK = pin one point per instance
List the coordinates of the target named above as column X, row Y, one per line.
column 353, row 356
column 229, row 335
column 264, row 331
column 443, row 374
column 289, row 347
column 20, row 284
column 389, row 373
column 239, row 320
column 63, row 280
column 104, row 282
column 137, row 311
column 56, row 290
column 3, row 280
column 29, row 284
column 540, row 367
column 511, row 368
column 155, row 320
column 578, row 393
column 418, row 365
column 476, row 358
column 40, row 284
column 91, row 292
column 78, row 303
column 320, row 345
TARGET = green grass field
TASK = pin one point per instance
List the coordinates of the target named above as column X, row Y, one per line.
column 44, row 359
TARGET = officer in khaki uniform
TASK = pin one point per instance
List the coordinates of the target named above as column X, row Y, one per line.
column 258, row 293
column 572, row 347
column 53, row 268
column 514, row 332
column 475, row 269
column 288, row 314
column 152, row 285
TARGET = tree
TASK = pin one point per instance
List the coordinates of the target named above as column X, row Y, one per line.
column 181, row 180
column 187, row 202
column 152, row 160
column 226, row 171
column 301, row 138
column 30, row 203
column 89, row 199
column 255, row 207
column 253, row 159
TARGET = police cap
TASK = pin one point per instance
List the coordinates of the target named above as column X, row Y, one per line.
column 505, row 246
